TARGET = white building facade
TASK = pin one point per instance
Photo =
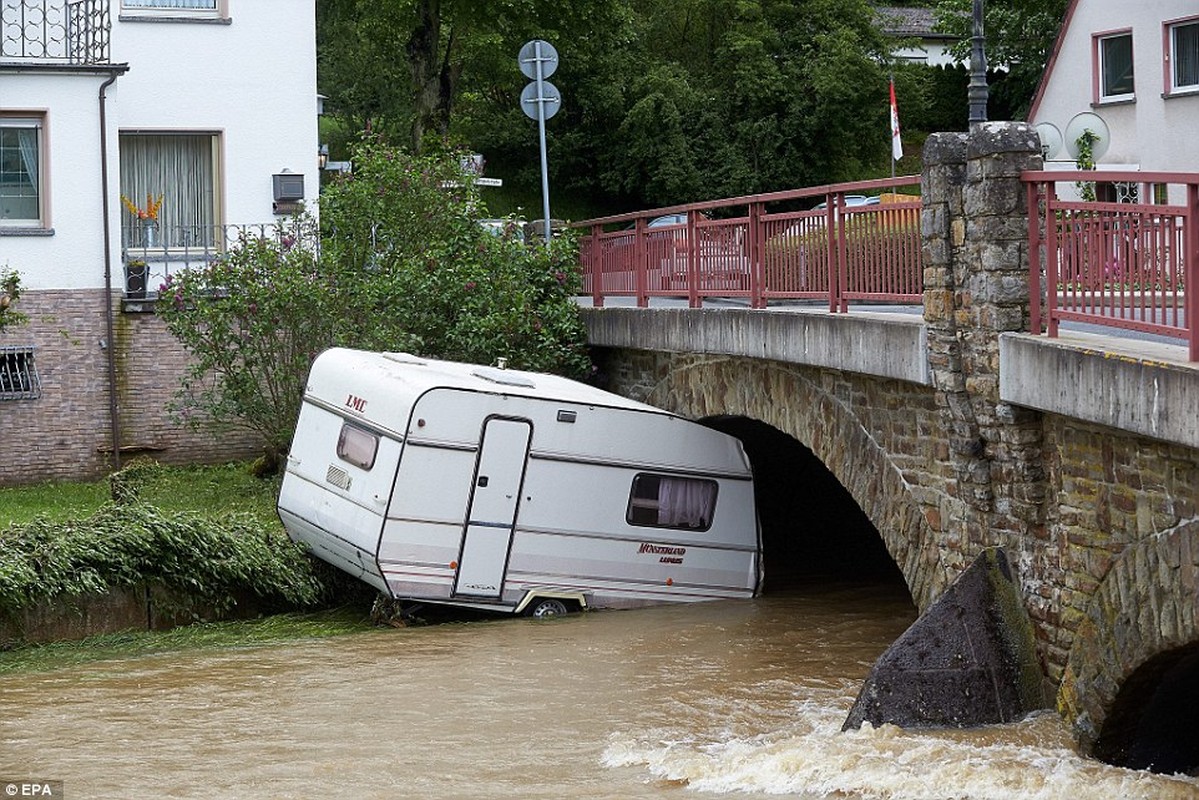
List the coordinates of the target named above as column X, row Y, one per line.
column 1131, row 70
column 203, row 115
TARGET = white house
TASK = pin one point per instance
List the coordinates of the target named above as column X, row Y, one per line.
column 916, row 28
column 208, row 105
column 1130, row 73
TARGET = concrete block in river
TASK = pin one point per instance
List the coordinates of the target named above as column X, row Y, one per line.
column 970, row 659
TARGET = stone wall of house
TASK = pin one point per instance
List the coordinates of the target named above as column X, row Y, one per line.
column 66, row 432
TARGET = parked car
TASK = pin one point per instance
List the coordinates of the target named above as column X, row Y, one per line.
column 506, row 226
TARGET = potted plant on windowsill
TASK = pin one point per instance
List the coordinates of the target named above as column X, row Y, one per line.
column 147, row 217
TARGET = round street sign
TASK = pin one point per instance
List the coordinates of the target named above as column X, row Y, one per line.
column 550, row 98
column 528, row 59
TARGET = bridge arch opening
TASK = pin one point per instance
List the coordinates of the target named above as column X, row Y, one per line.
column 1154, row 722
column 812, row 529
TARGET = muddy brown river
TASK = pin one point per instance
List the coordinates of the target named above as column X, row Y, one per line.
column 731, row 699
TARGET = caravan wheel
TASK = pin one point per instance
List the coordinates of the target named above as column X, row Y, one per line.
column 547, row 607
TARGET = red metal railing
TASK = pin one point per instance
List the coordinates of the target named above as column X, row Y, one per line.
column 1119, row 264
column 778, row 246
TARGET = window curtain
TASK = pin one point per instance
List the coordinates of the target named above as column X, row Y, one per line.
column 27, row 145
column 180, row 168
column 683, row 502
column 1186, row 56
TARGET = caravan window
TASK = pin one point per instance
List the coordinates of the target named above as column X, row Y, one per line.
column 669, row 501
column 357, row 446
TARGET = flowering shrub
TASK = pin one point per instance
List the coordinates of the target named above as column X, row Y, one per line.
column 402, row 265
column 10, row 290
column 254, row 320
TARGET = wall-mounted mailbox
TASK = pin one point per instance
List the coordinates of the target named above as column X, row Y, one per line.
column 289, row 191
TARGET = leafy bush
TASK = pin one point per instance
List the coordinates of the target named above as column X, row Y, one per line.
column 10, row 290
column 253, row 320
column 402, row 264
column 213, row 562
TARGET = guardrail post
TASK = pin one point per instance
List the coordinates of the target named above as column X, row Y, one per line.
column 1191, row 268
column 640, row 257
column 1034, row 255
column 753, row 256
column 830, row 236
column 693, row 255
column 596, row 259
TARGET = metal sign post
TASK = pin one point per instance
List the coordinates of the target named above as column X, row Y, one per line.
column 540, row 100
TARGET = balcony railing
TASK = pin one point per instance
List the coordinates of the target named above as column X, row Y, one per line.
column 826, row 243
column 152, row 253
column 1122, row 265
column 55, row 31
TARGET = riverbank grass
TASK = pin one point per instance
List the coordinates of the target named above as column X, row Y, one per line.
column 200, row 489
column 203, row 543
column 277, row 629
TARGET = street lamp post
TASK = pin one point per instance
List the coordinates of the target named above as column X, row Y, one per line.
column 976, row 94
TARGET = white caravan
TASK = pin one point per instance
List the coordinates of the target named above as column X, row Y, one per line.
column 514, row 491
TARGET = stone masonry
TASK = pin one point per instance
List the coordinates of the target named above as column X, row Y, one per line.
column 1101, row 524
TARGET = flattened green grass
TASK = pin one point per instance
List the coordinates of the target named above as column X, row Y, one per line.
column 208, row 490
column 214, row 635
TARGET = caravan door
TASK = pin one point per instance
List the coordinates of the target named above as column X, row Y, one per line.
column 491, row 517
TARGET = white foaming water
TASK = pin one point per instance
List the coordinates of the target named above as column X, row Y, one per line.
column 815, row 760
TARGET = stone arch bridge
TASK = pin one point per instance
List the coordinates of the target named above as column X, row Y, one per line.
column 953, row 434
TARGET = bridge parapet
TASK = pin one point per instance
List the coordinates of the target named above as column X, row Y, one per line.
column 957, row 431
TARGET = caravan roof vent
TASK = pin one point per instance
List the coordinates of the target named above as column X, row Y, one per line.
column 503, row 376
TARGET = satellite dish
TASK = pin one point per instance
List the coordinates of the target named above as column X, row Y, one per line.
column 1088, row 121
column 1051, row 140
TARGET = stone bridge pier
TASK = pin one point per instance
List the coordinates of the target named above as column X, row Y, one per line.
column 958, row 431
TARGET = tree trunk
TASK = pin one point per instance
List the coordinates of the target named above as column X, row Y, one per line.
column 433, row 76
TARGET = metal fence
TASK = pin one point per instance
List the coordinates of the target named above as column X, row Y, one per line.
column 152, row 254
column 55, row 31
column 1121, row 264
column 834, row 243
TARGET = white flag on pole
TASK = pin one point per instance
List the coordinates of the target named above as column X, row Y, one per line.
column 896, row 144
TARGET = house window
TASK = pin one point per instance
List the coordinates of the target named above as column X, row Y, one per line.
column 18, row 376
column 1115, row 67
column 181, row 169
column 1184, row 56
column 668, row 501
column 21, row 171
column 172, row 5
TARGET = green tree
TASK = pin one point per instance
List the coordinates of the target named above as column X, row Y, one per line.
column 1020, row 35
column 253, row 321
column 402, row 265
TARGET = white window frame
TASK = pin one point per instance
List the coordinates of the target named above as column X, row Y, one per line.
column 176, row 9
column 36, row 121
column 1170, row 48
column 1101, row 42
